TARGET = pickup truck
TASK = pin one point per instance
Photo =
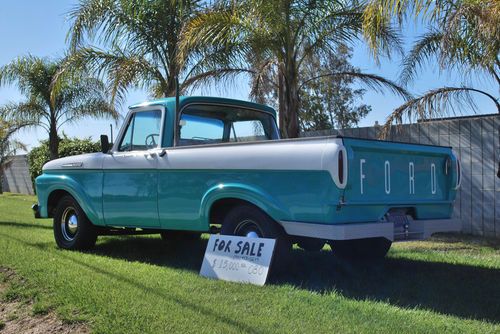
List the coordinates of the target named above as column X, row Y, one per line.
column 185, row 166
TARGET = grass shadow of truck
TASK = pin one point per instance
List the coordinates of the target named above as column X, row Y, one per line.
column 460, row 290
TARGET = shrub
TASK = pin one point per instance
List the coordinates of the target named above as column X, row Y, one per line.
column 67, row 146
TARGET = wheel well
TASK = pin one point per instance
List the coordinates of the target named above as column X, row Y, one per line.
column 54, row 199
column 222, row 206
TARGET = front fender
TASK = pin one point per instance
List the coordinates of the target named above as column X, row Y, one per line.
column 86, row 190
column 251, row 194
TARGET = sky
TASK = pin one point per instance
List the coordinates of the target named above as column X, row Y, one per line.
column 40, row 27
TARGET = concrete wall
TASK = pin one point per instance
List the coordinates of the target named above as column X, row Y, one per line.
column 17, row 177
column 475, row 140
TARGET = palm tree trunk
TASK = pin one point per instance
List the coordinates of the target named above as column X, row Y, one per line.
column 292, row 101
column 281, row 105
column 53, row 141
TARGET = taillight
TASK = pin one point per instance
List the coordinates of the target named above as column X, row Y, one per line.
column 458, row 170
column 447, row 166
column 459, row 174
column 341, row 167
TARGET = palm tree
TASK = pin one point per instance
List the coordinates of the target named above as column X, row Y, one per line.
column 8, row 146
column 139, row 44
column 278, row 37
column 463, row 34
column 51, row 103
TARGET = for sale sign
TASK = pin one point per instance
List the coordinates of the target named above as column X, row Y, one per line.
column 238, row 259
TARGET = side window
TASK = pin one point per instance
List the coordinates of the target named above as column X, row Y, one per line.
column 247, row 131
column 143, row 131
column 196, row 130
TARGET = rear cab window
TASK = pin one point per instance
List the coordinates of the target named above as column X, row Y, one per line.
column 214, row 124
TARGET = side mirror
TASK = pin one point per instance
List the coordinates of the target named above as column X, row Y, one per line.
column 105, row 144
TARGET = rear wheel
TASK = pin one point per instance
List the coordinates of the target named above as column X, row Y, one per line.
column 72, row 228
column 249, row 221
column 370, row 248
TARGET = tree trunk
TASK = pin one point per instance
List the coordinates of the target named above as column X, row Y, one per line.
column 53, row 141
column 292, row 102
column 281, row 105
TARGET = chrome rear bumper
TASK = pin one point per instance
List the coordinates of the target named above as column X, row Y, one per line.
column 414, row 230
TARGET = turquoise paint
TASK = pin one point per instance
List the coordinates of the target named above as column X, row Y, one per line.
column 185, row 196
column 129, row 198
column 169, row 103
column 399, row 155
column 84, row 185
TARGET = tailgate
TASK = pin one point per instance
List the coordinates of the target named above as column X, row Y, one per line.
column 383, row 172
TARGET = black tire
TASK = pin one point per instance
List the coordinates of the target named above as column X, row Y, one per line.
column 68, row 236
column 370, row 248
column 247, row 220
column 179, row 236
column 311, row 244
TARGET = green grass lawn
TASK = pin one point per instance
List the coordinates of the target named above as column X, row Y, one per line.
column 139, row 284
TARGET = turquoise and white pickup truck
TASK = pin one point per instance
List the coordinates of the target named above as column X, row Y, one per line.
column 200, row 164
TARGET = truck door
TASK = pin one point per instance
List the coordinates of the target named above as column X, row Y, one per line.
column 130, row 191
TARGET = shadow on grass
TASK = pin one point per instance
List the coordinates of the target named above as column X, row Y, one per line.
column 455, row 289
column 182, row 301
column 25, row 225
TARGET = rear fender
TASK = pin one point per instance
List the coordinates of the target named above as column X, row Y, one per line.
column 244, row 192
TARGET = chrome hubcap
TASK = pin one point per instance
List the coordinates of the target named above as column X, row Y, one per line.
column 248, row 228
column 252, row 234
column 69, row 223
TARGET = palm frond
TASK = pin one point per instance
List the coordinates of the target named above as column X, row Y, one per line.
column 137, row 33
column 372, row 81
column 30, row 74
column 94, row 107
column 426, row 47
column 121, row 69
column 9, row 146
column 30, row 113
column 435, row 103
column 222, row 27
column 223, row 74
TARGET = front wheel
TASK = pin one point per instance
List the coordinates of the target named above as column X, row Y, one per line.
column 249, row 221
column 72, row 228
column 370, row 248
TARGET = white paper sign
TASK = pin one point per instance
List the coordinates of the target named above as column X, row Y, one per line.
column 238, row 259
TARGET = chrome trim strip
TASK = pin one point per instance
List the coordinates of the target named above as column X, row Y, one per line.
column 72, row 164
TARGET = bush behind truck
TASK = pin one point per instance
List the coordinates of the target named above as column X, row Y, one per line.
column 40, row 155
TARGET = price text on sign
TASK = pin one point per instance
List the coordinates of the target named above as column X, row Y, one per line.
column 238, row 259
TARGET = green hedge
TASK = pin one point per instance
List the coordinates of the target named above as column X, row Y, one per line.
column 67, row 146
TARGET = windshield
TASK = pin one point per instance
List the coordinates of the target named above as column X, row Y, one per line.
column 212, row 124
